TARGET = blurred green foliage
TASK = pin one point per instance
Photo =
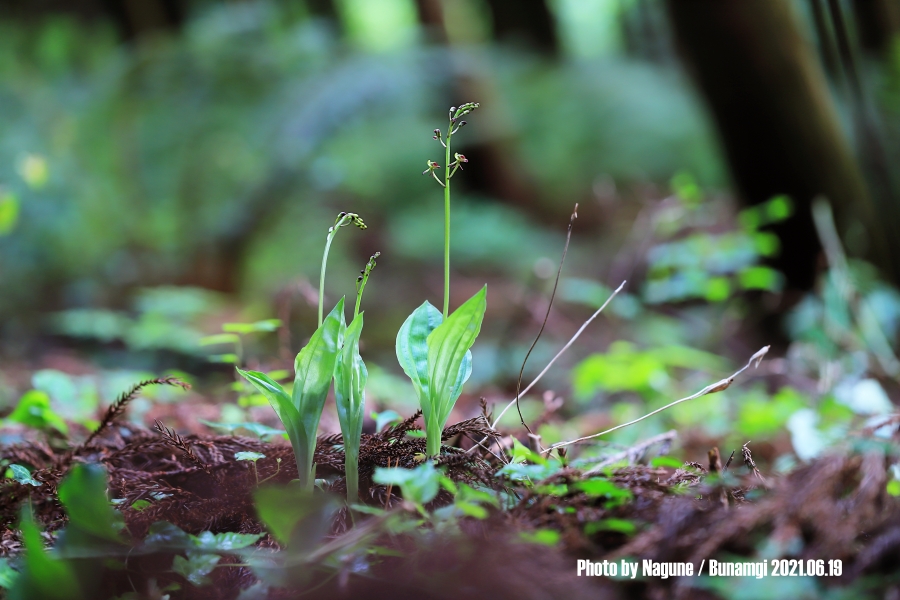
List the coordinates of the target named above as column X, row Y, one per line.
column 131, row 166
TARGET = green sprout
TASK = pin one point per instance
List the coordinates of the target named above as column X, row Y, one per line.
column 314, row 368
column 350, row 376
column 455, row 125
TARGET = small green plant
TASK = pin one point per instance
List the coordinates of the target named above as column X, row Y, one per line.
column 455, row 116
column 314, row 369
column 350, row 377
column 301, row 410
column 432, row 347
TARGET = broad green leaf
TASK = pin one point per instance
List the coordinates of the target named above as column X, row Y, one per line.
column 196, row 567
column 545, row 537
column 9, row 212
column 303, row 444
column 23, row 476
column 83, row 494
column 412, row 347
column 385, row 418
column 447, row 347
column 271, row 389
column 350, row 377
column 224, row 542
column 420, row 485
column 43, row 576
column 251, row 456
column 462, row 376
column 314, row 368
column 620, row 525
column 295, row 518
column 33, row 410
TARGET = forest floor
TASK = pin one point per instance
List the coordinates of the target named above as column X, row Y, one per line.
column 837, row 507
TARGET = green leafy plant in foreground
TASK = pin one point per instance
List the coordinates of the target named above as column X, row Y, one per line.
column 350, row 377
column 432, row 347
column 300, row 411
column 326, row 356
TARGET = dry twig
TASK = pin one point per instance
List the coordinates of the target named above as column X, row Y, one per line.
column 719, row 386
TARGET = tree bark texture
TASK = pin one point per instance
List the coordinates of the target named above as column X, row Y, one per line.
column 776, row 120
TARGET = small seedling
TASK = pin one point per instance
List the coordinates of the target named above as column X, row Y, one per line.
column 314, row 369
column 252, row 457
column 350, row 375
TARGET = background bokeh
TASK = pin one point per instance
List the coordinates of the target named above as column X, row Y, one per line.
column 169, row 166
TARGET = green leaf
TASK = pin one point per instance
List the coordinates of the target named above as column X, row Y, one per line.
column 604, row 488
column 666, row 461
column 290, row 418
column 33, row 410
column 9, row 212
column 294, row 517
column 8, row 575
column 447, row 348
column 224, row 542
column 385, row 418
column 350, row 377
column 83, row 494
column 196, row 567
column 258, row 326
column 23, row 476
column 42, row 575
column 412, row 346
column 219, row 338
column 166, row 536
column 251, row 456
column 621, row 525
column 545, row 537
column 420, row 485
column 313, row 370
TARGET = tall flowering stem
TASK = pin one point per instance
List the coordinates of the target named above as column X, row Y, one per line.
column 455, row 115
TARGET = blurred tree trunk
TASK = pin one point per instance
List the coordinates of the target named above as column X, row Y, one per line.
column 493, row 169
column 776, row 120
column 878, row 24
column 525, row 21
column 136, row 18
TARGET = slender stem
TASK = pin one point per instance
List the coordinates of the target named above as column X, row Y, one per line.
column 447, row 224
column 351, row 473
column 331, row 233
column 432, row 439
column 362, row 280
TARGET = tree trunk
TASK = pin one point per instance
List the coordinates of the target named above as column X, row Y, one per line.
column 776, row 120
column 528, row 22
column 878, row 24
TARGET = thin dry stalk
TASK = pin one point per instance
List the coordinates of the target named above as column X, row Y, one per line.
column 560, row 353
column 630, row 454
column 719, row 386
column 544, row 323
column 751, row 464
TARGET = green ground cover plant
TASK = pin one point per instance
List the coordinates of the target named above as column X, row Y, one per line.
column 408, row 496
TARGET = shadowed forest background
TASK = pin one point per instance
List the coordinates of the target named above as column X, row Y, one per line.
column 169, row 165
column 169, row 170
